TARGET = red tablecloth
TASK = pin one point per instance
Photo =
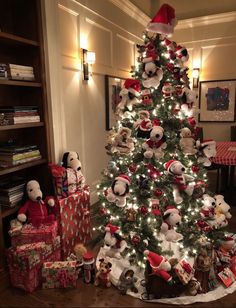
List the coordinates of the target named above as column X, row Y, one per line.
column 225, row 153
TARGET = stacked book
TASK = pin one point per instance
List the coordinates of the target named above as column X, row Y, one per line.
column 3, row 71
column 21, row 72
column 11, row 193
column 11, row 156
column 18, row 115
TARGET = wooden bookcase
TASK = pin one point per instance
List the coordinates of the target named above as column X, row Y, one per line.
column 21, row 43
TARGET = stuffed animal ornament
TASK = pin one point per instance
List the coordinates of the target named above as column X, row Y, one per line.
column 114, row 244
column 35, row 209
column 152, row 74
column 206, row 150
column 143, row 125
column 72, row 164
column 119, row 190
column 171, row 219
column 187, row 143
column 122, row 142
column 129, row 96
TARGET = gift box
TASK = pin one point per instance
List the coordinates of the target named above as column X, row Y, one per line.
column 30, row 234
column 227, row 277
column 184, row 271
column 59, row 274
column 74, row 221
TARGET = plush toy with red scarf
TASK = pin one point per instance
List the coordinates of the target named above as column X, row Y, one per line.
column 180, row 179
column 171, row 219
column 114, row 244
column 35, row 209
column 156, row 144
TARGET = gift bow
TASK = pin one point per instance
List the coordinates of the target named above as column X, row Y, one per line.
column 56, row 170
column 64, row 278
column 186, row 266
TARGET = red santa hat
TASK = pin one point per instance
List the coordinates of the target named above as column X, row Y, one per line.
column 182, row 53
column 111, row 228
column 150, row 56
column 208, row 142
column 156, row 122
column 171, row 209
column 133, row 85
column 154, row 259
column 124, row 178
column 170, row 163
column 228, row 240
column 164, row 21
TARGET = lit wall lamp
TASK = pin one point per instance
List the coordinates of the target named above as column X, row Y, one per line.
column 88, row 59
column 196, row 73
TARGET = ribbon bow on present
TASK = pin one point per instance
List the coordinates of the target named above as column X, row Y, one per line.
column 186, row 266
column 56, row 170
column 64, row 278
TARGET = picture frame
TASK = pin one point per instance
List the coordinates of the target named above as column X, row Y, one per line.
column 217, row 101
column 113, row 86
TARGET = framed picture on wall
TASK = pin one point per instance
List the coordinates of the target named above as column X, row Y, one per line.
column 217, row 101
column 113, row 86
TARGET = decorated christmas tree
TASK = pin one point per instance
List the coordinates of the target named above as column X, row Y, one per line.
column 154, row 203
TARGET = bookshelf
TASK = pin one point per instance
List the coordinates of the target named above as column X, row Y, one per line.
column 21, row 43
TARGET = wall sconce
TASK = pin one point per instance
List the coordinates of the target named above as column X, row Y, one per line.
column 88, row 59
column 196, row 73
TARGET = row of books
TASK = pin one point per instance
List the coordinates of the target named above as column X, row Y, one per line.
column 16, row 72
column 11, row 156
column 18, row 114
column 11, row 192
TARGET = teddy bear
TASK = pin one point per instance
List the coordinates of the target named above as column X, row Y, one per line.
column 177, row 170
column 206, row 150
column 155, row 145
column 122, row 142
column 208, row 208
column 35, row 209
column 171, row 219
column 119, row 190
column 75, row 178
column 222, row 211
column 103, row 274
column 129, row 95
column 114, row 244
column 167, row 90
column 127, row 281
column 187, row 142
column 152, row 74
column 143, row 125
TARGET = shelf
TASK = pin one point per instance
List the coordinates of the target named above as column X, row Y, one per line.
column 23, row 125
column 5, row 211
column 20, row 83
column 23, row 166
column 11, row 38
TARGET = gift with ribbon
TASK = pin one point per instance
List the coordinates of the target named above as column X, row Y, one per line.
column 184, row 271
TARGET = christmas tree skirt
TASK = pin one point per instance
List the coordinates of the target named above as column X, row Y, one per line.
column 119, row 264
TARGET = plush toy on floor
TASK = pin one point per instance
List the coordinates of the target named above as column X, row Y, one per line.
column 72, row 164
column 127, row 281
column 103, row 273
column 35, row 209
column 114, row 244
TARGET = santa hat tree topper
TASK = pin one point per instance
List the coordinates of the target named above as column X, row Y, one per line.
column 164, row 21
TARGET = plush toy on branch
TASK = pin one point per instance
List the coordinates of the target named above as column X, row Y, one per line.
column 207, row 150
column 171, row 219
column 122, row 142
column 75, row 178
column 36, row 209
column 129, row 96
column 152, row 74
column 180, row 179
column 143, row 125
column 114, row 244
column 119, row 190
column 187, row 143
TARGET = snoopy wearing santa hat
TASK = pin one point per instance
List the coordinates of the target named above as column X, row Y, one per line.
column 114, row 244
column 129, row 95
column 119, row 190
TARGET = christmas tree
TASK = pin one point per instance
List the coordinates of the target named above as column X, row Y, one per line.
column 154, row 198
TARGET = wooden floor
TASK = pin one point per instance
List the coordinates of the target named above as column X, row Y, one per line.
column 90, row 296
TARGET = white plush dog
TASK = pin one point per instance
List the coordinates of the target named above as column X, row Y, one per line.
column 119, row 190
column 114, row 244
column 171, row 219
column 206, row 150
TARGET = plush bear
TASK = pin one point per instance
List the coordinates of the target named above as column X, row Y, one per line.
column 156, row 144
column 129, row 95
column 75, row 178
column 180, row 179
column 127, row 281
column 35, row 209
column 152, row 74
column 206, row 150
column 222, row 211
column 103, row 274
column 122, row 142
column 114, row 244
column 187, row 142
column 143, row 125
column 119, row 190
column 167, row 90
column 171, row 219
column 208, row 208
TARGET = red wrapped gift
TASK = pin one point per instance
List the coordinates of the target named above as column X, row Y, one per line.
column 75, row 225
column 60, row 181
column 30, row 234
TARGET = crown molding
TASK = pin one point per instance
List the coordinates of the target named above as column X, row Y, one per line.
column 133, row 11
column 206, row 20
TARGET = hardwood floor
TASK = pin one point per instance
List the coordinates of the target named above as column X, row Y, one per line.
column 90, row 296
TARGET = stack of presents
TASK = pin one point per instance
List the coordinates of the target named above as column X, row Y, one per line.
column 47, row 231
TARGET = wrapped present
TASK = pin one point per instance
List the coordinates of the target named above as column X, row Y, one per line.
column 184, row 271
column 59, row 274
column 28, row 281
column 29, row 234
column 74, row 217
column 60, row 182
column 227, row 276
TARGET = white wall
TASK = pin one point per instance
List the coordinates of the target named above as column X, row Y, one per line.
column 78, row 107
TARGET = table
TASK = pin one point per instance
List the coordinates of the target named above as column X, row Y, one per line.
column 226, row 158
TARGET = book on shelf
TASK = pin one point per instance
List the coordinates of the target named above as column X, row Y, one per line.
column 20, row 67
column 29, row 119
column 10, row 189
column 3, row 71
column 17, row 148
column 15, row 157
column 18, row 108
column 6, row 164
column 22, row 78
